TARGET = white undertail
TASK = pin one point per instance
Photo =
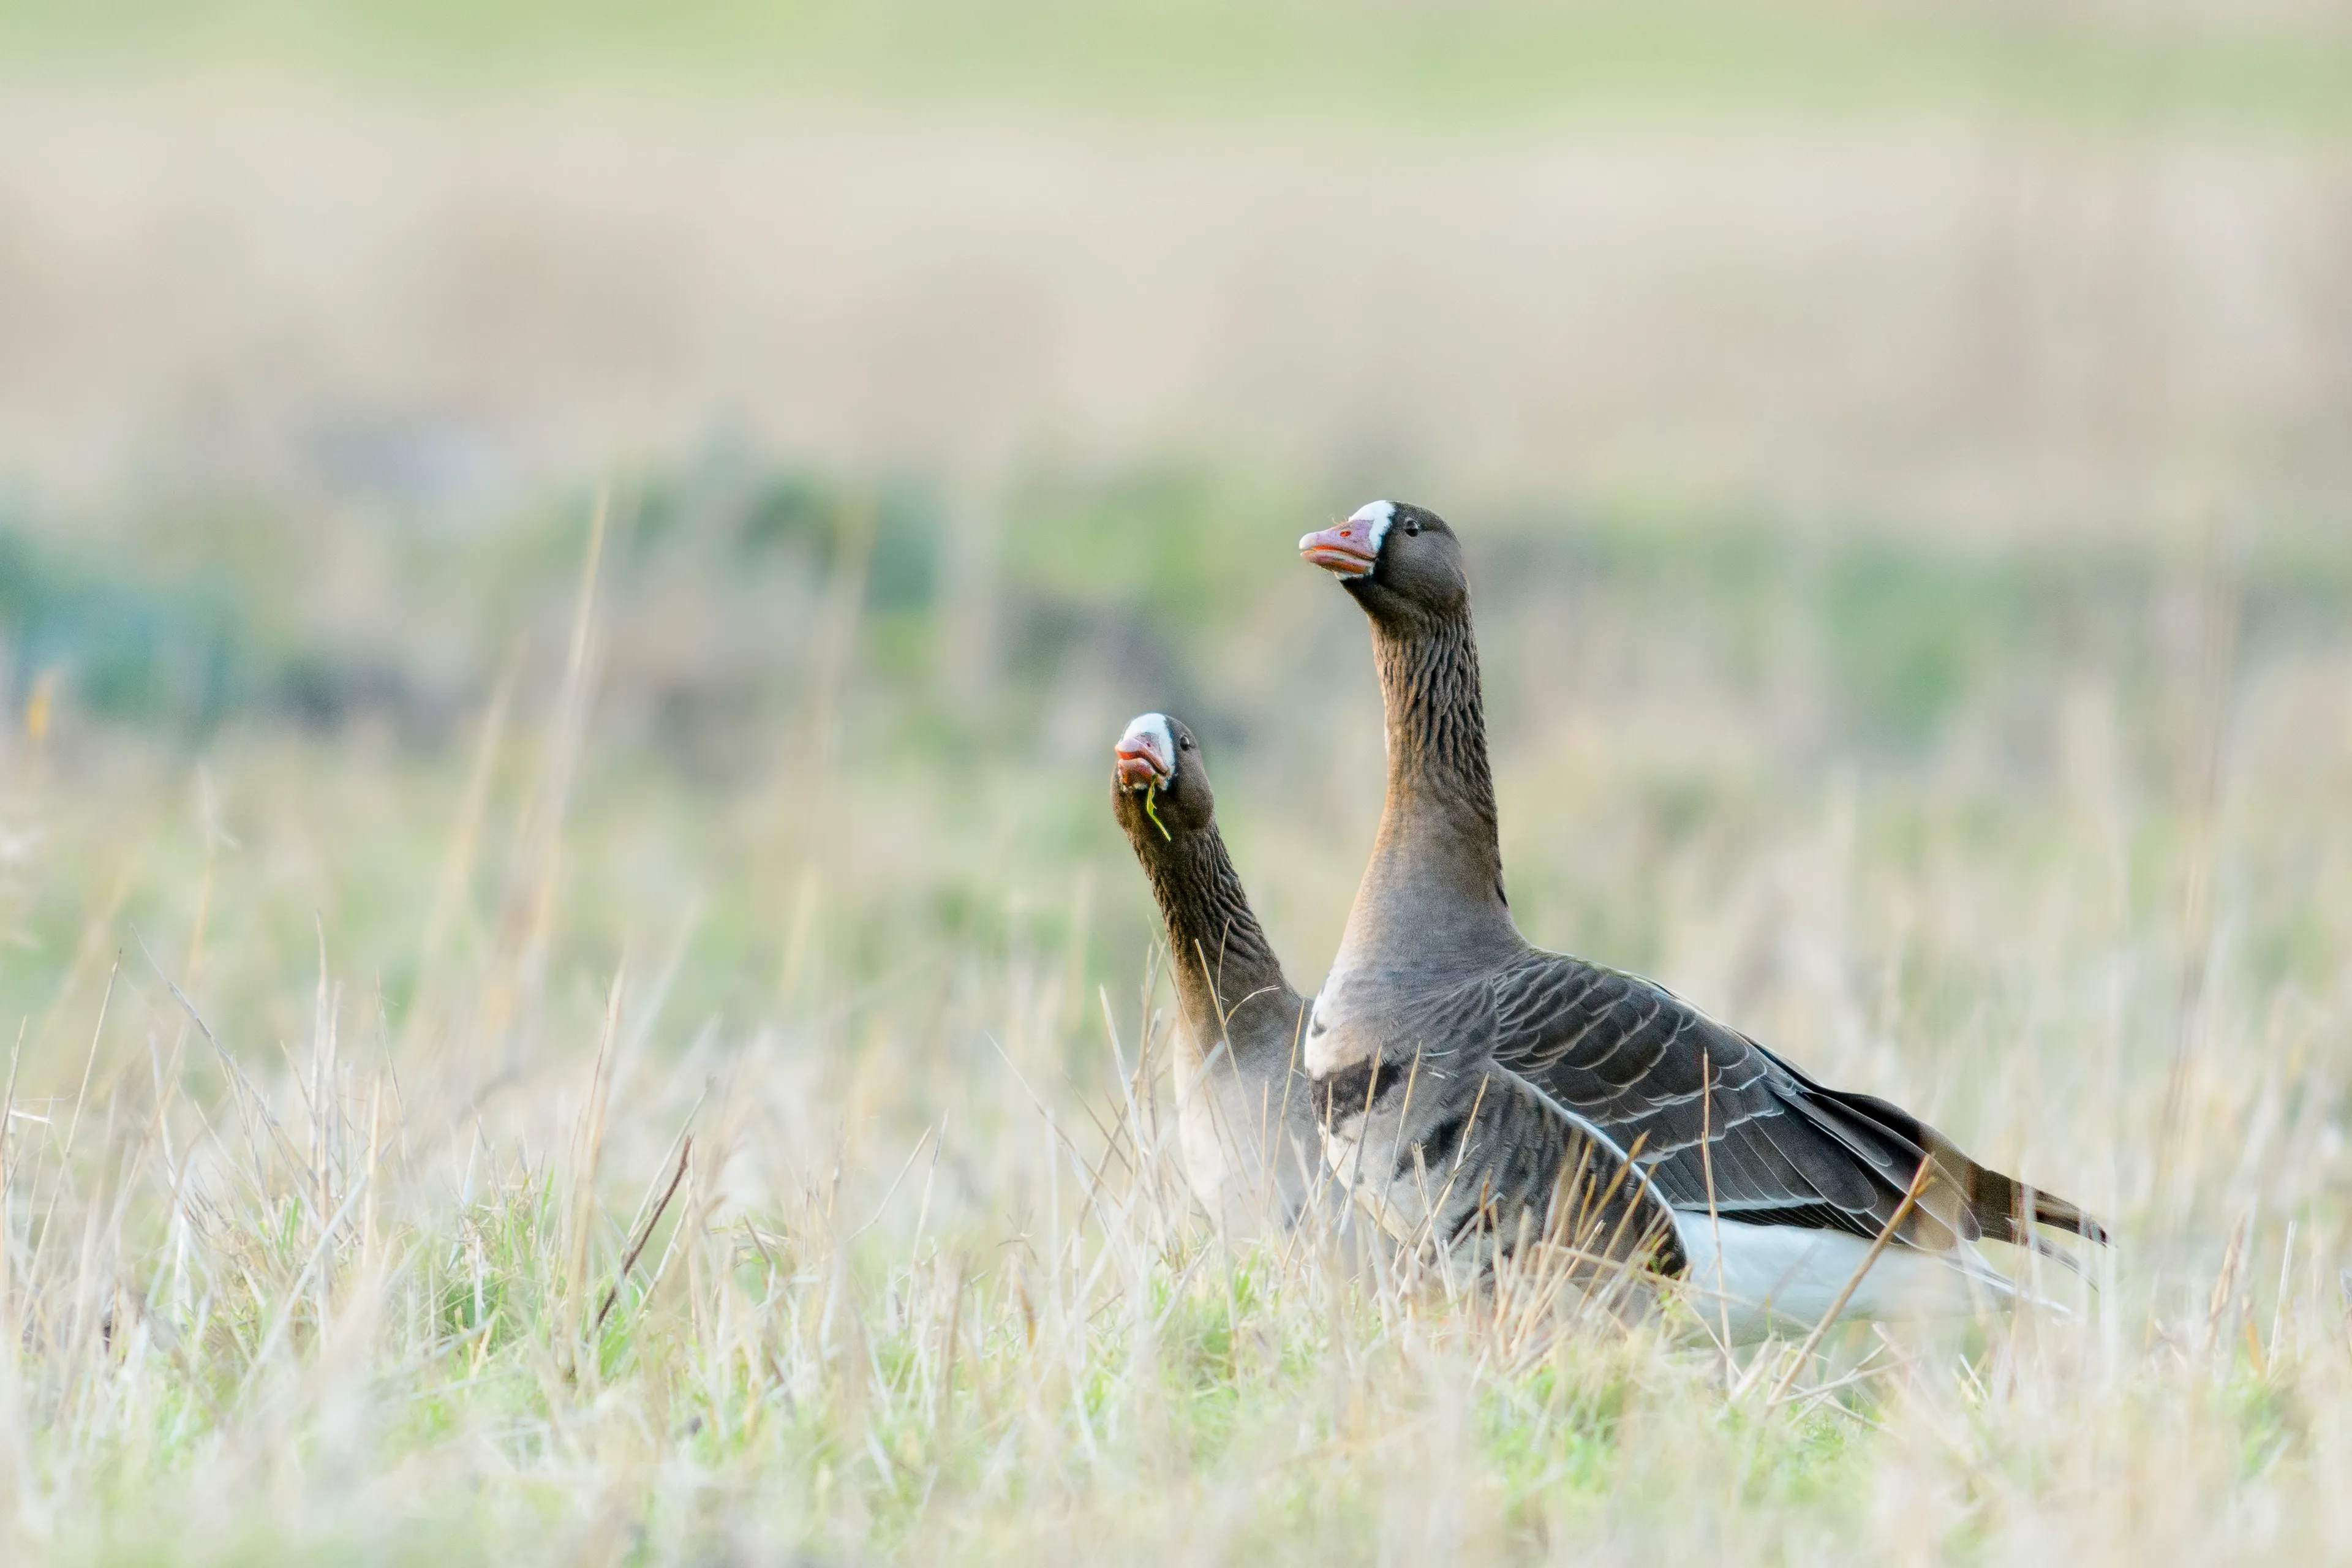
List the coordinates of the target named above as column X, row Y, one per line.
column 1782, row 1278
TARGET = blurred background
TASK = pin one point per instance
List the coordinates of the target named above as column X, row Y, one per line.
column 1903, row 450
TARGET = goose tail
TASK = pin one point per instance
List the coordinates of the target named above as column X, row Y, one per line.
column 2004, row 1208
column 2001, row 1208
column 2009, row 1210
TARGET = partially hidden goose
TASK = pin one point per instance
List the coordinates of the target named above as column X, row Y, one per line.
column 1245, row 1115
column 1795, row 1181
column 1507, row 1166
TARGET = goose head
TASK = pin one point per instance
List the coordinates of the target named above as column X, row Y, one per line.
column 1401, row 561
column 1158, row 786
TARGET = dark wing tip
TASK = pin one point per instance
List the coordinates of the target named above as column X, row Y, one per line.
column 2059, row 1215
column 1999, row 1205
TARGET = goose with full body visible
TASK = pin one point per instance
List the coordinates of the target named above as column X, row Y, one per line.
column 1780, row 1185
column 1506, row 1165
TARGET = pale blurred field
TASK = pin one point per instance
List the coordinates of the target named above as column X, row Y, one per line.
column 1905, row 462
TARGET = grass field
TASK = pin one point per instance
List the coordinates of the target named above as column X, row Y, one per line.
column 568, row 576
column 561, row 1079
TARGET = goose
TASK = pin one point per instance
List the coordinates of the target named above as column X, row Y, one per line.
column 1506, row 1164
column 1246, row 1117
column 1781, row 1187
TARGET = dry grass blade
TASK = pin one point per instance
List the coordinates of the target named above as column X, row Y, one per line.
column 1845, row 1293
column 645, row 1233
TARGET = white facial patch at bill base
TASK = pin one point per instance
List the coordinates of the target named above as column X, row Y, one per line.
column 1152, row 730
column 1375, row 516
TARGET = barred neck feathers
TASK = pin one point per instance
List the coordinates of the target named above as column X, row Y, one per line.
column 1440, row 813
column 1436, row 721
column 1225, row 965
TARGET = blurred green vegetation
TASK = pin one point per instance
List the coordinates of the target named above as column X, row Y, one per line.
column 139, row 652
column 1138, row 577
column 1414, row 63
column 806, row 674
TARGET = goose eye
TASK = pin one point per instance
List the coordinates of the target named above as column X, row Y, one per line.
column 1413, row 531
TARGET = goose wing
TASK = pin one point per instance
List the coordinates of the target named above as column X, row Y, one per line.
column 1664, row 1078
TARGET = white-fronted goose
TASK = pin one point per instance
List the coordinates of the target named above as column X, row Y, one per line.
column 1245, row 1115
column 1433, row 977
column 1502, row 1164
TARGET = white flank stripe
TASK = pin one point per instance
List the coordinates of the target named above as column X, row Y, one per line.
column 1781, row 1279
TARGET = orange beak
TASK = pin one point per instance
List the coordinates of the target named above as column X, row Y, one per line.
column 1345, row 550
column 1139, row 764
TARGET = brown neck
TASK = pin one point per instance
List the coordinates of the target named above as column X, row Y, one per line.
column 1437, row 862
column 1230, row 982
